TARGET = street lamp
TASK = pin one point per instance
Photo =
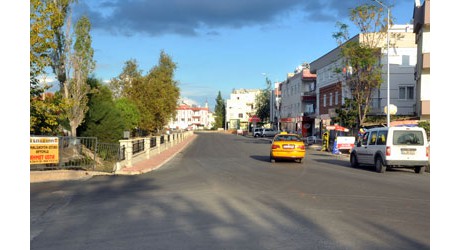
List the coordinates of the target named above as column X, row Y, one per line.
column 388, row 60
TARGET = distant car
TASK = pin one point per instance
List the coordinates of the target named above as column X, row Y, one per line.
column 257, row 132
column 312, row 140
column 287, row 146
column 264, row 132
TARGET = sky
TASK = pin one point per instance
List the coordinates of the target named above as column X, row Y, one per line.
column 218, row 45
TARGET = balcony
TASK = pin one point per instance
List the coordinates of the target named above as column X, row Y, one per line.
column 308, row 96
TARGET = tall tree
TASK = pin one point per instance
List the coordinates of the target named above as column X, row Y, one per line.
column 156, row 95
column 361, row 58
column 263, row 102
column 60, row 55
column 45, row 110
column 219, row 112
column 76, row 89
column 120, row 84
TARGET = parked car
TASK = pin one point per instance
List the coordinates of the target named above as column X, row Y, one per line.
column 265, row 132
column 287, row 146
column 312, row 140
column 392, row 147
column 256, row 132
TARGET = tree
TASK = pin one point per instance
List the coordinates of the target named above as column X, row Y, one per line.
column 60, row 54
column 219, row 112
column 156, row 95
column 263, row 102
column 128, row 112
column 348, row 113
column 361, row 58
column 76, row 89
column 103, row 119
column 46, row 110
column 120, row 84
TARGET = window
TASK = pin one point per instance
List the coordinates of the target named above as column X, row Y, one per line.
column 336, row 97
column 324, row 100
column 240, row 115
column 382, row 137
column 330, row 99
column 406, row 92
column 373, row 138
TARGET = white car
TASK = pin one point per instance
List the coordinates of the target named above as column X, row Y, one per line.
column 265, row 132
column 393, row 147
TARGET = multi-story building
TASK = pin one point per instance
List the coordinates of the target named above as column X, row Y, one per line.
column 275, row 106
column 331, row 82
column 240, row 107
column 422, row 70
column 298, row 102
column 191, row 117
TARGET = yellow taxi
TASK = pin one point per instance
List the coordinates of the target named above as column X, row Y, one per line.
column 287, row 146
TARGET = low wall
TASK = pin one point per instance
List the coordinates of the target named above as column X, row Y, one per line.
column 160, row 145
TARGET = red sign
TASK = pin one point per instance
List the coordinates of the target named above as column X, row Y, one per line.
column 254, row 119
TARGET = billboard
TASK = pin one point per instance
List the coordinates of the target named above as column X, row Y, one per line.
column 44, row 150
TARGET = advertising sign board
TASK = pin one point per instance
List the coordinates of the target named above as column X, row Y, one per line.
column 44, row 150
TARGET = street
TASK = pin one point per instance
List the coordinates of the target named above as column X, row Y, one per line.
column 222, row 192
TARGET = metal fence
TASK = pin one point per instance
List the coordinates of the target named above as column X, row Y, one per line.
column 85, row 153
column 138, row 146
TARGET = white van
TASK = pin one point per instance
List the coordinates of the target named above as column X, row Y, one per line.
column 392, row 147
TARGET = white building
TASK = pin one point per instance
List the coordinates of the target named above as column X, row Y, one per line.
column 240, row 107
column 332, row 88
column 191, row 117
column 422, row 71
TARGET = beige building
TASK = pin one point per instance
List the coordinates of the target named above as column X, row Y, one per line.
column 331, row 83
column 422, row 70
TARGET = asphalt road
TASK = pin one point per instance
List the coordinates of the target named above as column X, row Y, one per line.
column 223, row 193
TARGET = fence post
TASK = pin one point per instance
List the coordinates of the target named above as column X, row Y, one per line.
column 147, row 147
column 129, row 151
column 158, row 138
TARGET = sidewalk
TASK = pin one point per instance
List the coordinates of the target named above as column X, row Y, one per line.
column 145, row 166
column 156, row 161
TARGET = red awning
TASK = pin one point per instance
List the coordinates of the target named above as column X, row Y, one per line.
column 337, row 128
column 254, row 119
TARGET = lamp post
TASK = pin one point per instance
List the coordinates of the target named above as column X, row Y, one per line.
column 388, row 60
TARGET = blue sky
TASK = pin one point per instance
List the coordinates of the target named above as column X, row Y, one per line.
column 218, row 45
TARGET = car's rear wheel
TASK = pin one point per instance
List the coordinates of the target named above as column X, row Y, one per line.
column 299, row 160
column 379, row 166
column 354, row 161
column 420, row 169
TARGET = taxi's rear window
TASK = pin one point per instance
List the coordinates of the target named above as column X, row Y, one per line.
column 408, row 138
column 287, row 138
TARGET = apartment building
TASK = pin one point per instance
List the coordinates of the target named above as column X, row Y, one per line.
column 191, row 117
column 298, row 102
column 332, row 88
column 240, row 107
column 421, row 18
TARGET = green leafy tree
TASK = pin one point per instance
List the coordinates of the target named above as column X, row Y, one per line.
column 219, row 112
column 156, row 95
column 129, row 113
column 120, row 84
column 103, row 119
column 46, row 110
column 348, row 113
column 263, row 102
column 361, row 57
